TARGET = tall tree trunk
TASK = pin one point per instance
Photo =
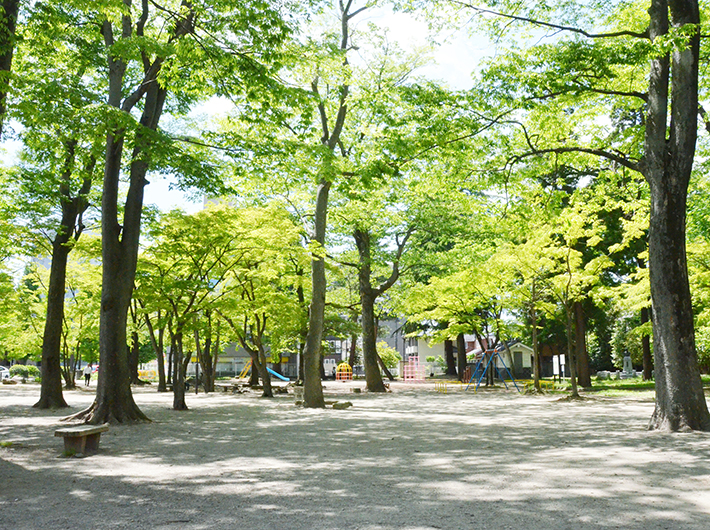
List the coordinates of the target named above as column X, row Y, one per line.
column 580, row 342
column 646, row 347
column 51, row 387
column 373, row 377
column 461, row 356
column 259, row 367
column 450, row 359
column 178, row 371
column 114, row 400
column 668, row 162
column 204, row 359
column 352, row 354
column 158, row 348
column 215, row 357
column 170, row 370
column 536, row 344
column 264, row 373
column 571, row 353
column 69, row 367
column 120, row 242
column 8, row 26
column 312, row 388
column 647, row 356
column 70, row 228
column 134, row 358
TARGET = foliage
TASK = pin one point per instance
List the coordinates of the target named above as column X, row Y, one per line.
column 390, row 356
column 24, row 371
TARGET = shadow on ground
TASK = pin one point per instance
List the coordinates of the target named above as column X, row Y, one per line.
column 413, row 459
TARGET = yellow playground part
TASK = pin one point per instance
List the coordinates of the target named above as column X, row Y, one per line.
column 344, row 372
column 244, row 372
column 444, row 386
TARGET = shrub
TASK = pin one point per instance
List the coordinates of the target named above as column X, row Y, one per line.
column 24, row 371
column 19, row 370
column 390, row 356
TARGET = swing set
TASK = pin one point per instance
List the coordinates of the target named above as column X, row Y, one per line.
column 488, row 358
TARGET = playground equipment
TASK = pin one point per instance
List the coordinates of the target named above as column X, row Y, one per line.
column 489, row 358
column 344, row 372
column 444, row 387
column 278, row 375
column 247, row 367
column 413, row 372
column 244, row 372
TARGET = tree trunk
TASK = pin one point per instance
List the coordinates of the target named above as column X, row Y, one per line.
column 580, row 332
column 120, row 242
column 312, row 388
column 114, row 400
column 69, row 229
column 536, row 345
column 262, row 366
column 461, row 355
column 158, row 348
column 352, row 354
column 253, row 374
column 373, row 377
column 69, row 370
column 8, row 26
column 178, row 372
column 490, row 374
column 51, row 387
column 450, row 359
column 170, row 368
column 215, row 358
column 383, row 367
column 571, row 354
column 646, row 348
column 134, row 358
column 668, row 162
column 204, row 360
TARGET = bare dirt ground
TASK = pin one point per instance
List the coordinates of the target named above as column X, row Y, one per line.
column 413, row 459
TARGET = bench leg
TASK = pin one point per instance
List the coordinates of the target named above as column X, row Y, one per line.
column 82, row 444
column 92, row 443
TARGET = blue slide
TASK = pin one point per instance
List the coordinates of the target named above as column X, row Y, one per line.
column 278, row 375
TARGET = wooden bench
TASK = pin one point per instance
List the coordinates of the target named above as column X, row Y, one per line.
column 82, row 439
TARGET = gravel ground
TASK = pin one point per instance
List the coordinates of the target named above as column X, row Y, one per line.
column 413, row 459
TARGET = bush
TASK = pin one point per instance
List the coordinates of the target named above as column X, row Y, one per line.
column 24, row 371
column 390, row 356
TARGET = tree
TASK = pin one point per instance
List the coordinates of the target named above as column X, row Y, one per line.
column 184, row 271
column 312, row 389
column 670, row 46
column 8, row 28
column 53, row 184
column 262, row 306
column 145, row 64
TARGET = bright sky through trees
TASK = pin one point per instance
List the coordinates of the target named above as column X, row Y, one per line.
column 454, row 58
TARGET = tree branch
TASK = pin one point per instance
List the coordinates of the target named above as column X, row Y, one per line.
column 644, row 35
column 704, row 116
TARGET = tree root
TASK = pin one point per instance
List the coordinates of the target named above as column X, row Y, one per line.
column 535, row 392
column 97, row 415
column 49, row 403
column 572, row 398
